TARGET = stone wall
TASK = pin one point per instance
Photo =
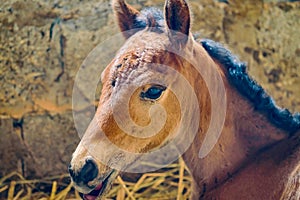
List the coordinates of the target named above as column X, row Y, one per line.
column 43, row 43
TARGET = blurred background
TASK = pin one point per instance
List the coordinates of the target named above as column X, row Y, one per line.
column 44, row 42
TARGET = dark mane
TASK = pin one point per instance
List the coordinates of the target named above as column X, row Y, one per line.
column 248, row 87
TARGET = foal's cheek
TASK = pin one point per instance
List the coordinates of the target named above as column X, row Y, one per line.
column 139, row 110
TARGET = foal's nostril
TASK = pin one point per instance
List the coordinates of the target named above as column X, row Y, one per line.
column 89, row 171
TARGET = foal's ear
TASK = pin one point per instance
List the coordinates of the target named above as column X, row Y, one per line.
column 177, row 15
column 126, row 16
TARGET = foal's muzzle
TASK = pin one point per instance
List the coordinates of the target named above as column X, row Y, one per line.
column 87, row 173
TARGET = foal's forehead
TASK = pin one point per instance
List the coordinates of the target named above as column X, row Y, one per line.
column 138, row 56
column 143, row 47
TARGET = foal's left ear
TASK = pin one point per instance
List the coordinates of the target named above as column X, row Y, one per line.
column 177, row 15
column 126, row 16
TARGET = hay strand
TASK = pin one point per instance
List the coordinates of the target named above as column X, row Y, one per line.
column 63, row 194
column 125, row 188
column 11, row 190
column 18, row 195
column 53, row 191
column 180, row 184
column 3, row 188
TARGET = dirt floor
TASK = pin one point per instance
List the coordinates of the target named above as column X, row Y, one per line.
column 44, row 42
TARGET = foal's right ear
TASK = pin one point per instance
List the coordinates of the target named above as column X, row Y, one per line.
column 177, row 15
column 126, row 16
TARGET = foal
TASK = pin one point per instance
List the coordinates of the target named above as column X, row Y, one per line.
column 255, row 156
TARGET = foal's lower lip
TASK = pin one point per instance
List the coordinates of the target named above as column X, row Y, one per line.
column 94, row 193
column 98, row 190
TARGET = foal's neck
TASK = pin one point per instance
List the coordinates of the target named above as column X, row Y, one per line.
column 245, row 134
column 250, row 128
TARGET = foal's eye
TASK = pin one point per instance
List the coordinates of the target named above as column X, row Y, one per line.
column 153, row 92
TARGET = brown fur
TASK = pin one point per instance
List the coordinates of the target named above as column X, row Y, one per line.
column 252, row 159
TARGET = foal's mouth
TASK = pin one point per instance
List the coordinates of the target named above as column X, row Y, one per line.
column 101, row 189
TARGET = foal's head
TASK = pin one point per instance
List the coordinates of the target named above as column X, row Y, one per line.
column 139, row 109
